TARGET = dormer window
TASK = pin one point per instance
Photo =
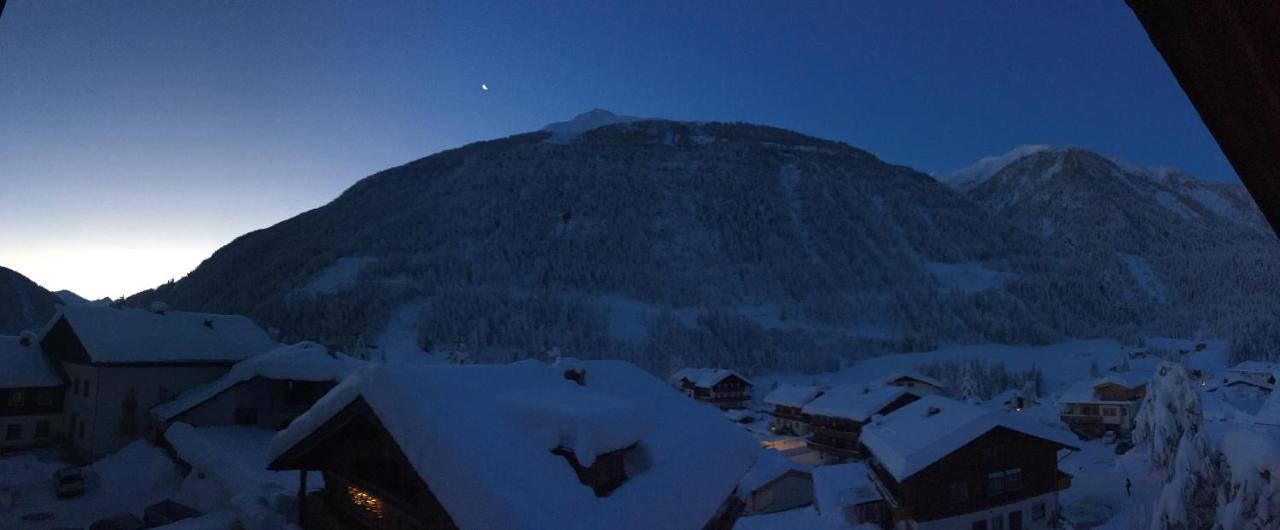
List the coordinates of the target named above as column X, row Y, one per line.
column 605, row 474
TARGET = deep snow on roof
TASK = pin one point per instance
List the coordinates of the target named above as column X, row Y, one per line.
column 481, row 436
column 1131, row 379
column 840, row 485
column 769, row 466
column 793, row 395
column 927, row 430
column 134, row 335
column 855, row 402
column 1257, row 367
column 24, row 366
column 304, row 361
column 1083, row 391
column 705, row 377
column 913, row 375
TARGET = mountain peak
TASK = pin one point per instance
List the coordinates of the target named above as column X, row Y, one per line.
column 564, row 131
column 986, row 167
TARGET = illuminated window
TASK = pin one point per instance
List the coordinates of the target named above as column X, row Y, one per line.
column 365, row 501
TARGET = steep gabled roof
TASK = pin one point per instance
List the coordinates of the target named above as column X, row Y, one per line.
column 1131, row 379
column 770, row 466
column 705, row 377
column 856, row 402
column 481, row 436
column 24, row 366
column 793, row 395
column 1256, row 367
column 305, row 361
column 111, row 335
column 926, row 431
column 913, row 375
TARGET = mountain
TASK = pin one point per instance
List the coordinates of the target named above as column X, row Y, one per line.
column 676, row 243
column 71, row 298
column 24, row 306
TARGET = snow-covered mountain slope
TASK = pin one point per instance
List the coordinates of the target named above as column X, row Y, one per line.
column 71, row 298
column 736, row 245
column 23, row 304
column 564, row 131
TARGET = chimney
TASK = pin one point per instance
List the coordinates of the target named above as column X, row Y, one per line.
column 208, row 323
column 932, row 411
column 27, row 338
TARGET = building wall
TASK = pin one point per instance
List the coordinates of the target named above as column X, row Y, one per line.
column 33, row 406
column 101, row 408
column 793, row 490
column 967, row 521
column 27, row 426
column 271, row 406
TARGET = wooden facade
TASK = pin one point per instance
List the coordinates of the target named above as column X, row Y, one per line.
column 836, row 438
column 999, row 468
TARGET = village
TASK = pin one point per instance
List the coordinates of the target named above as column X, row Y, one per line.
column 123, row 418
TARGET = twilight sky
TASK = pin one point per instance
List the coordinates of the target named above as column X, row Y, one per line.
column 138, row 137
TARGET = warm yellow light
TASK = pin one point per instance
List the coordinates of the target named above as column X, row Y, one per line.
column 368, row 502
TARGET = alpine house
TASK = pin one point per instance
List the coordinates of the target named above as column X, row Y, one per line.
column 596, row 444
column 943, row 464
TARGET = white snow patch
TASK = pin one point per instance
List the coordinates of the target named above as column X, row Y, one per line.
column 987, row 167
column 565, row 131
column 337, row 277
column 968, row 277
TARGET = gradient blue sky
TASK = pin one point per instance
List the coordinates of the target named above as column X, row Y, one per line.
column 137, row 137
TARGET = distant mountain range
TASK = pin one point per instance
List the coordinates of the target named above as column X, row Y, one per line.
column 24, row 306
column 680, row 243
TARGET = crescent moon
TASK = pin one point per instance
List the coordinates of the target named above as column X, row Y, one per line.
column 484, row 86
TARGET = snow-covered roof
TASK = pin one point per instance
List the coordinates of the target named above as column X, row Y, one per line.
column 705, row 377
column 897, row 376
column 1233, row 379
column 1269, row 413
column 914, row 437
column 126, row 335
column 304, row 361
column 481, row 436
column 793, row 395
column 840, row 485
column 1009, row 396
column 24, row 366
column 768, row 467
column 1131, row 379
column 1256, row 367
column 855, row 402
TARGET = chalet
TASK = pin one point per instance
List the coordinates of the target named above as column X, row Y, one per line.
column 1091, row 408
column 942, row 464
column 844, row 496
column 1261, row 372
column 1235, row 380
column 118, row 363
column 837, row 417
column 787, row 402
column 30, row 395
column 920, row 383
column 774, row 484
column 601, row 444
column 267, row 390
column 722, row 388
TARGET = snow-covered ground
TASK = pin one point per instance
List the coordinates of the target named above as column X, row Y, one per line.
column 124, row 482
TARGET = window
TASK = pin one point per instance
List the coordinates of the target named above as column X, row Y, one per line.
column 86, row 388
column 990, row 452
column 1002, row 481
column 42, row 429
column 1015, row 520
column 1037, row 511
column 81, row 433
column 1110, row 411
column 45, row 397
column 959, row 492
column 75, row 386
column 13, row 432
column 997, row 522
column 17, row 397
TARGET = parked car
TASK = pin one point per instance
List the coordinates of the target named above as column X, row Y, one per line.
column 68, row 482
column 123, row 521
column 1123, row 446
